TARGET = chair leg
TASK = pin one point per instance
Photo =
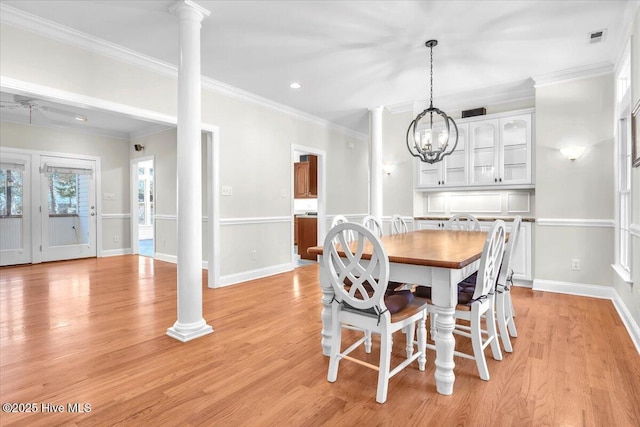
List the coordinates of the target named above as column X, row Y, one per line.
column 493, row 332
column 336, row 343
column 511, row 321
column 432, row 324
column 476, row 341
column 422, row 342
column 367, row 341
column 409, row 332
column 385, row 366
column 502, row 322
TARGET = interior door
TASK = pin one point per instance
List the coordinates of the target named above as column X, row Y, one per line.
column 15, row 237
column 68, row 208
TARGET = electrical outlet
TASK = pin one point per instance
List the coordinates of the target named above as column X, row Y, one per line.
column 575, row 264
column 283, row 194
column 254, row 255
column 116, row 239
column 227, row 190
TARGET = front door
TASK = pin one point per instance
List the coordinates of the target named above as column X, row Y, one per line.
column 68, row 208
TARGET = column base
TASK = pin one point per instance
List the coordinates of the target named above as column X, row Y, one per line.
column 188, row 332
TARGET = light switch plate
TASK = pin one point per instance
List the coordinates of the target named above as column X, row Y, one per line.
column 227, row 190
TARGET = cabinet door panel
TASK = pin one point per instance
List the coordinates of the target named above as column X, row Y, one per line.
column 515, row 137
column 483, row 151
column 430, row 177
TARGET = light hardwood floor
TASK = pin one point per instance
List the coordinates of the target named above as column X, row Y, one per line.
column 93, row 331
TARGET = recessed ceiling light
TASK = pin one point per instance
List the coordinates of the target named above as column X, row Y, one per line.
column 295, row 85
column 81, row 118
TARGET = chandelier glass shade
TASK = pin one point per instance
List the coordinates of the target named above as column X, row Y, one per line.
column 432, row 135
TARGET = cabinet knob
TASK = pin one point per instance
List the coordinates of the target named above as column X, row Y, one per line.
column 500, row 179
column 495, row 179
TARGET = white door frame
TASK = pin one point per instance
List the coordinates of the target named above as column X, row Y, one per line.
column 322, row 192
column 133, row 202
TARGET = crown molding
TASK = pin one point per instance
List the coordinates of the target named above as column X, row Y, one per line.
column 571, row 74
column 151, row 130
column 26, row 21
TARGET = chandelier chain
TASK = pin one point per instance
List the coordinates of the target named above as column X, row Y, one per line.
column 431, row 75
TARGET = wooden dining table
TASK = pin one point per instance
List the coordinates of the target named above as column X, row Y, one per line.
column 436, row 258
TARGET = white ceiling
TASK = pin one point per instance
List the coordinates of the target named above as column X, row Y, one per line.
column 350, row 56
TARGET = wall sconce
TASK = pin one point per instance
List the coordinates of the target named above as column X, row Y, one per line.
column 138, row 147
column 573, row 152
column 388, row 168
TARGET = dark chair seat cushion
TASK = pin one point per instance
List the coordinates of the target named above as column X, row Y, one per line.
column 465, row 292
column 394, row 300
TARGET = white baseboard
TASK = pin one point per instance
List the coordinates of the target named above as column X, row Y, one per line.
column 116, row 252
column 594, row 291
column 173, row 259
column 581, row 289
column 231, row 279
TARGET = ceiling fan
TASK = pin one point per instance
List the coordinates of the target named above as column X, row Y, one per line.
column 35, row 106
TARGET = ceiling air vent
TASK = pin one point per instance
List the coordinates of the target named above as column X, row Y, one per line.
column 597, row 36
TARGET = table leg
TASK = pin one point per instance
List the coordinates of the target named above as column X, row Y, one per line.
column 445, row 345
column 327, row 297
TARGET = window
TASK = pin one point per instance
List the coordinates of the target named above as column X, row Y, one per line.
column 623, row 170
column 10, row 191
column 63, row 193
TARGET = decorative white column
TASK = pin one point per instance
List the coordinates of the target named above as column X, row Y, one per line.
column 190, row 323
column 375, row 188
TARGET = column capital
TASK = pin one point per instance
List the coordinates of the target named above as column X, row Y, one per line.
column 182, row 7
column 378, row 109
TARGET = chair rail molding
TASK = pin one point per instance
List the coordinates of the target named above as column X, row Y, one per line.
column 635, row 230
column 255, row 220
column 116, row 216
column 594, row 291
column 573, row 222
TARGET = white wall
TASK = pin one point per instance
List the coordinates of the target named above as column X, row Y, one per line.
column 255, row 146
column 575, row 112
column 397, row 188
column 114, row 154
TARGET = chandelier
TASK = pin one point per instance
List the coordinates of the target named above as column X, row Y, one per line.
column 431, row 139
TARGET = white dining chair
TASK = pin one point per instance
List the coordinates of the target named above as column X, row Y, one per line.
column 476, row 301
column 398, row 224
column 341, row 219
column 504, row 304
column 360, row 288
column 372, row 223
column 465, row 222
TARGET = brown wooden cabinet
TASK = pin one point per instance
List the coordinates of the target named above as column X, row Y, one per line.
column 305, row 179
column 307, row 236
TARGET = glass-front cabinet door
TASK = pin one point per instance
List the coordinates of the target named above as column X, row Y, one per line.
column 515, row 135
column 483, row 152
column 455, row 165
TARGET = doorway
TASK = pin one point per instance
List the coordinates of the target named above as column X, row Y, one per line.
column 308, row 204
column 145, row 208
column 68, row 196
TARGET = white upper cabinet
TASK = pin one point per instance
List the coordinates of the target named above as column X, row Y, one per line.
column 493, row 151
column 450, row 172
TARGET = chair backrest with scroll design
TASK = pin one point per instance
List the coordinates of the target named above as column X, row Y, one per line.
column 464, row 222
column 398, row 225
column 492, row 253
column 359, row 283
column 372, row 223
